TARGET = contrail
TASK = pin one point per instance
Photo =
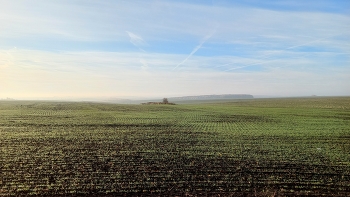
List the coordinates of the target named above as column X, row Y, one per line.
column 269, row 54
column 262, row 62
column 292, row 47
column 193, row 51
column 196, row 48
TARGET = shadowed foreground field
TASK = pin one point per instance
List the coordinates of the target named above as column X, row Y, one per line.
column 262, row 147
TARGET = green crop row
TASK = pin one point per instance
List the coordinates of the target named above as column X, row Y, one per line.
column 268, row 146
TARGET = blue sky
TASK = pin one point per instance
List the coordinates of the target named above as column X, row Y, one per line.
column 159, row 48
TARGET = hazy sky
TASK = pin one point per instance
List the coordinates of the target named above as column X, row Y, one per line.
column 164, row 48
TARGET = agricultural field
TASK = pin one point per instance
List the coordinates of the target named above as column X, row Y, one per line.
column 258, row 147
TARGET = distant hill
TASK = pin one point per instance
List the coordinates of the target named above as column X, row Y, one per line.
column 211, row 97
column 122, row 101
column 185, row 99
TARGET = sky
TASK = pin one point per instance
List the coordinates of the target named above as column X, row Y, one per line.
column 162, row 48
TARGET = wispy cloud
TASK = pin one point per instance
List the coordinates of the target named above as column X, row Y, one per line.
column 102, row 73
column 83, row 48
column 144, row 64
column 6, row 59
column 136, row 40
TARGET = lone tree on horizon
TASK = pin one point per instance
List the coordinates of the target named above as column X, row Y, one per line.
column 165, row 100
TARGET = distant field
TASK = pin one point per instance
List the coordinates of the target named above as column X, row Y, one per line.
column 258, row 147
